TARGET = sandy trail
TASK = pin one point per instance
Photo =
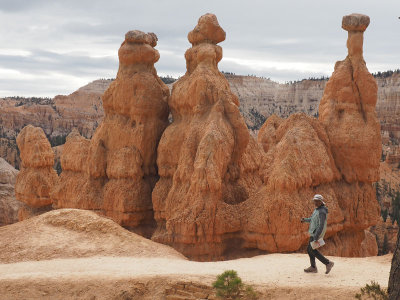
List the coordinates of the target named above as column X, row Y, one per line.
column 283, row 270
column 76, row 254
column 280, row 273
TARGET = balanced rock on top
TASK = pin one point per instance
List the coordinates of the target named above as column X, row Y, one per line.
column 117, row 171
column 199, row 153
column 347, row 110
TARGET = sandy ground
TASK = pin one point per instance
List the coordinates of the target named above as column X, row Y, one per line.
column 76, row 254
column 280, row 276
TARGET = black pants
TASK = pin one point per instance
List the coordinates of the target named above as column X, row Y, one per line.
column 314, row 253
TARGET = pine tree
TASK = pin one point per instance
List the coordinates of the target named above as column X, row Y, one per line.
column 394, row 279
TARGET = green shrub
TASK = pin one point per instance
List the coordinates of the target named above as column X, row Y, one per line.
column 230, row 286
column 373, row 291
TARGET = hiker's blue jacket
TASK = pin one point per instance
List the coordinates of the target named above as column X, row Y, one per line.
column 318, row 222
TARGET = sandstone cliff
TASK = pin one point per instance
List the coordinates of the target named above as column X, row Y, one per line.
column 57, row 117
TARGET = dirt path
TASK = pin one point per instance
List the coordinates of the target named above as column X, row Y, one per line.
column 76, row 254
column 280, row 276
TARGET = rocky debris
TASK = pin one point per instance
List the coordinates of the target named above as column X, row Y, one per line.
column 189, row 290
column 115, row 172
column 37, row 176
column 9, row 206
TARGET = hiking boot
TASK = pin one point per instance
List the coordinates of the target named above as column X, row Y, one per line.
column 329, row 267
column 311, row 270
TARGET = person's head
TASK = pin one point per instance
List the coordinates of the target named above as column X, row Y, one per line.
column 318, row 200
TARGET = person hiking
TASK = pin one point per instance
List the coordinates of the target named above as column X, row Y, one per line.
column 317, row 229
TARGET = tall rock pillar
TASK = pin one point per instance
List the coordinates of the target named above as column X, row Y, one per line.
column 199, row 153
column 119, row 163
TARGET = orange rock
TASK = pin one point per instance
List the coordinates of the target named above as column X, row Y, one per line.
column 199, row 153
column 220, row 194
column 304, row 156
column 37, row 176
column 298, row 155
column 347, row 110
column 115, row 172
column 73, row 176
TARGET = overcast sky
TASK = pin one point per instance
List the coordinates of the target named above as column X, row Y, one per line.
column 50, row 47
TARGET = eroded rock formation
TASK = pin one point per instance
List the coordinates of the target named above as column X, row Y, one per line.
column 115, row 172
column 220, row 192
column 347, row 110
column 9, row 206
column 199, row 153
column 57, row 117
column 37, row 176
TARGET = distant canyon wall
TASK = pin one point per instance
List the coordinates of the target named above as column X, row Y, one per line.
column 259, row 98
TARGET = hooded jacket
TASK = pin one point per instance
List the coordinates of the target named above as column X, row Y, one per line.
column 318, row 222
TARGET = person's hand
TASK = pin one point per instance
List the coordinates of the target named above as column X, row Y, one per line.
column 302, row 220
column 317, row 243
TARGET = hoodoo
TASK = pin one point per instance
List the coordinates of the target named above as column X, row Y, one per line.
column 115, row 172
column 199, row 153
column 202, row 184
column 37, row 177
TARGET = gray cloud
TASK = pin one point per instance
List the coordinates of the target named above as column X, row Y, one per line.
column 285, row 40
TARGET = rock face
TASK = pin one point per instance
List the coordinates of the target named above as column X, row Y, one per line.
column 199, row 153
column 347, row 110
column 9, row 206
column 385, row 234
column 115, row 172
column 221, row 193
column 37, row 176
column 82, row 110
column 259, row 98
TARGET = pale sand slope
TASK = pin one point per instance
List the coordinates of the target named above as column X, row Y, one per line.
column 41, row 258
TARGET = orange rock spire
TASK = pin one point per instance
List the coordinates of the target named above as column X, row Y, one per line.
column 199, row 153
column 115, row 172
